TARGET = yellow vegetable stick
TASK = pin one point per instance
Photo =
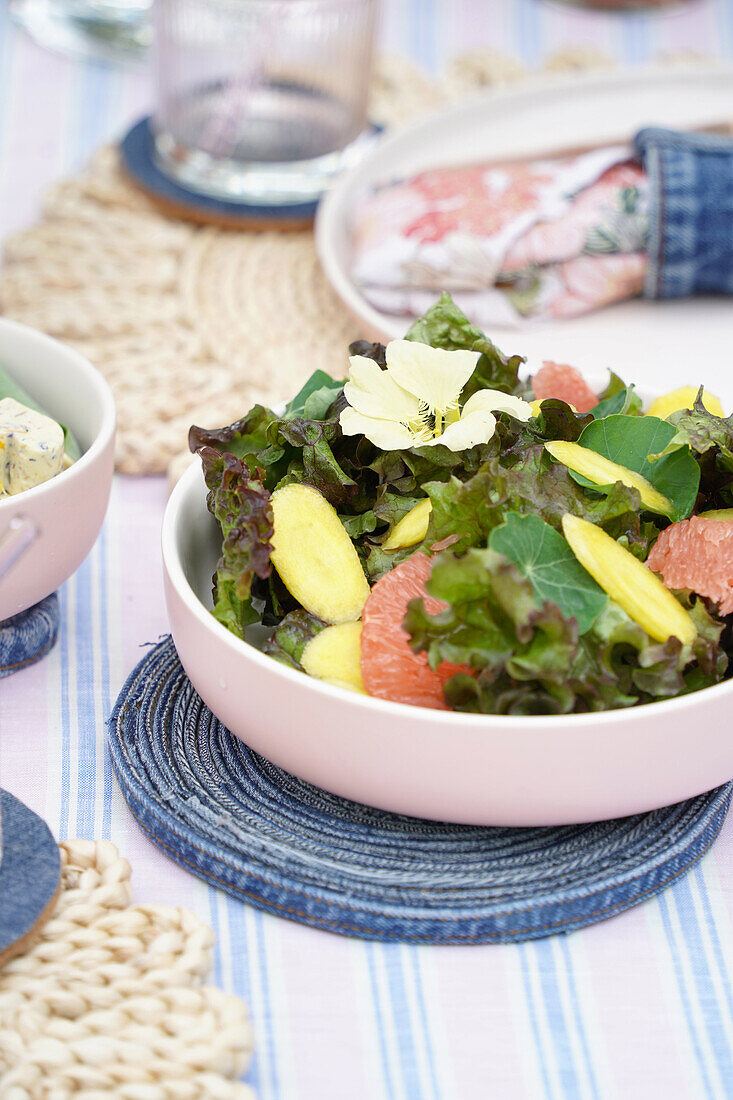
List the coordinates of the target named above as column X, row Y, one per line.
column 723, row 514
column 314, row 555
column 334, row 656
column 628, row 581
column 602, row 471
column 683, row 398
column 411, row 529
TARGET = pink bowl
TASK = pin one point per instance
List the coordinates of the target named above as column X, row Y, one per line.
column 475, row 769
column 66, row 512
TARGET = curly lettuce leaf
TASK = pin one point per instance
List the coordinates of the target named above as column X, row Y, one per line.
column 446, row 326
column 530, row 659
column 241, row 506
column 290, row 637
column 710, row 438
column 533, row 485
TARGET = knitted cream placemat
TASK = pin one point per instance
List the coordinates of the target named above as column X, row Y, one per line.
column 110, row 1000
column 195, row 324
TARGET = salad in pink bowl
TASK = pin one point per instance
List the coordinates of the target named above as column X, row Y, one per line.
column 435, row 531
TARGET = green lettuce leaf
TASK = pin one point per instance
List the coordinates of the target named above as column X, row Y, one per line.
column 290, row 637
column 446, row 326
column 710, row 438
column 315, row 398
column 637, row 442
column 467, row 512
column 545, row 559
column 617, row 398
column 241, row 506
column 527, row 659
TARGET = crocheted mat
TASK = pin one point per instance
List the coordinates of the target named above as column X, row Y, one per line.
column 194, row 324
column 27, row 637
column 110, row 1001
column 278, row 843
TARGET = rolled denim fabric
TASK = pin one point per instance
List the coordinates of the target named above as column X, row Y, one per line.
column 690, row 244
column 29, row 636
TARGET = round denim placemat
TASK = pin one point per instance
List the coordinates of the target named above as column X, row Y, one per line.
column 27, row 637
column 266, row 837
column 30, row 873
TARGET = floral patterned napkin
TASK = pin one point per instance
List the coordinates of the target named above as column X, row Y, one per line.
column 548, row 238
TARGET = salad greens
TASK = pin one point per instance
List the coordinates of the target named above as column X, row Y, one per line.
column 532, row 629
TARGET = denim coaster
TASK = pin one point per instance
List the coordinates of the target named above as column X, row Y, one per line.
column 262, row 835
column 27, row 637
column 30, row 873
column 691, row 212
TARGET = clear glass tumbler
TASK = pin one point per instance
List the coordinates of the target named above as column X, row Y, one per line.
column 261, row 101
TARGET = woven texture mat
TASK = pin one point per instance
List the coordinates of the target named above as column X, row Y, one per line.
column 280, row 844
column 110, row 1000
column 196, row 324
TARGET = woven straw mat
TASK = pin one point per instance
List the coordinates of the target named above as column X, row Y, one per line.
column 196, row 324
column 110, row 999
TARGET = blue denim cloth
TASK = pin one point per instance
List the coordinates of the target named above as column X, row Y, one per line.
column 266, row 837
column 691, row 213
column 30, row 870
column 27, row 637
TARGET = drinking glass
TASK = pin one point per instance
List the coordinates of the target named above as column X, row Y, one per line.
column 261, row 101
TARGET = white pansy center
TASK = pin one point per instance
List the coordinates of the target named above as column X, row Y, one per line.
column 415, row 402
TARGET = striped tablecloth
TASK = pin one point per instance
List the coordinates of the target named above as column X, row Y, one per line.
column 638, row 1007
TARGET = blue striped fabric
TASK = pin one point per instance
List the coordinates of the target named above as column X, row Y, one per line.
column 638, row 1007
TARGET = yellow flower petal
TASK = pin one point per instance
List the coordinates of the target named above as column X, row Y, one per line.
column 498, row 402
column 389, row 435
column 433, row 375
column 477, row 427
column 373, row 392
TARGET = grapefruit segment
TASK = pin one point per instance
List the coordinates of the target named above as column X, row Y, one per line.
column 566, row 384
column 697, row 553
column 389, row 668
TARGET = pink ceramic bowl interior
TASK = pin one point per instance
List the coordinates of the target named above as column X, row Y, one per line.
column 66, row 513
column 473, row 769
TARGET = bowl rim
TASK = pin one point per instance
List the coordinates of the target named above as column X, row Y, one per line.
column 173, row 569
column 105, row 399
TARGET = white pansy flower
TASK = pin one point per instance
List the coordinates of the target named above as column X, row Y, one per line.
column 415, row 402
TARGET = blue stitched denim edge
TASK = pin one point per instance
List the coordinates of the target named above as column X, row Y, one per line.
column 260, row 834
column 691, row 213
column 27, row 637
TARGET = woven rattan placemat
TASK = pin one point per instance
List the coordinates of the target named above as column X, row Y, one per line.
column 110, row 1000
column 196, row 324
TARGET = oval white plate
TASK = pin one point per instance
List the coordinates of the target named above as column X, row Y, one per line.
column 539, row 117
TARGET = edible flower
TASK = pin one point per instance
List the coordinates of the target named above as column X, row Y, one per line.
column 415, row 402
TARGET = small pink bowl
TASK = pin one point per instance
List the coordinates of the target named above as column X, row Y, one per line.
column 66, row 512
column 474, row 769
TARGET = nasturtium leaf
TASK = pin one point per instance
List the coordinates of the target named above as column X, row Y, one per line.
column 634, row 442
column 543, row 556
column 316, row 397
